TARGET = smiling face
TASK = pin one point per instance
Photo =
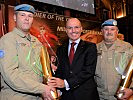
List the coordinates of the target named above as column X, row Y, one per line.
column 73, row 29
column 23, row 20
column 110, row 34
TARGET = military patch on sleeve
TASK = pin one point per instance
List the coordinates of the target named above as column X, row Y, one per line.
column 2, row 53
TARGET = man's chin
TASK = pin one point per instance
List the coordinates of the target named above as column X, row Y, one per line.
column 26, row 30
column 109, row 41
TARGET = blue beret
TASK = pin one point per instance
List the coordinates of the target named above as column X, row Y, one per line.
column 109, row 22
column 25, row 7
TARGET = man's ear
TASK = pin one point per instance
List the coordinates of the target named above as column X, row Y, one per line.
column 65, row 29
column 82, row 29
column 118, row 30
column 14, row 17
column 102, row 30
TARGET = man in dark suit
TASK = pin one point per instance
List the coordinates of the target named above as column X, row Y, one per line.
column 75, row 78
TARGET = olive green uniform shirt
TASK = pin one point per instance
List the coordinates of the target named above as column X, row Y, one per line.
column 20, row 67
column 110, row 65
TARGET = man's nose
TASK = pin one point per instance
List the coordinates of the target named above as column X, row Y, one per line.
column 26, row 18
column 109, row 30
column 73, row 29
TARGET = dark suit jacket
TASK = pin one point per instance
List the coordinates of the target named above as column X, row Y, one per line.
column 80, row 74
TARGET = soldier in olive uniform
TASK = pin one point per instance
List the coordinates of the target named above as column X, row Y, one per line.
column 20, row 62
column 113, row 57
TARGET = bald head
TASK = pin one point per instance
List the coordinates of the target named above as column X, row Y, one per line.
column 73, row 20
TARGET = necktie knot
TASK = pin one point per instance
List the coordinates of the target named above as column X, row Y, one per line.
column 73, row 44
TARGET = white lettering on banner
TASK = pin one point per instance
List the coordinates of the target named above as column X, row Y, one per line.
column 60, row 28
column 59, row 18
column 86, row 31
column 40, row 15
column 67, row 19
column 50, row 16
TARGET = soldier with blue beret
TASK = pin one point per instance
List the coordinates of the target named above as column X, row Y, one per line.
column 20, row 65
column 113, row 57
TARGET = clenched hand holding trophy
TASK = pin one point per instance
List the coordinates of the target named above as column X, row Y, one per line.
column 126, row 79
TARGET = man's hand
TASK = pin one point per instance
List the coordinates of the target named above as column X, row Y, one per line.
column 47, row 94
column 54, row 68
column 56, row 82
column 127, row 94
column 53, row 60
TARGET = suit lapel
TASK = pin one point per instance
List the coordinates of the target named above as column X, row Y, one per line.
column 65, row 49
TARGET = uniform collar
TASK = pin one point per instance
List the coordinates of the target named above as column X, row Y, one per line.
column 21, row 34
column 116, row 44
